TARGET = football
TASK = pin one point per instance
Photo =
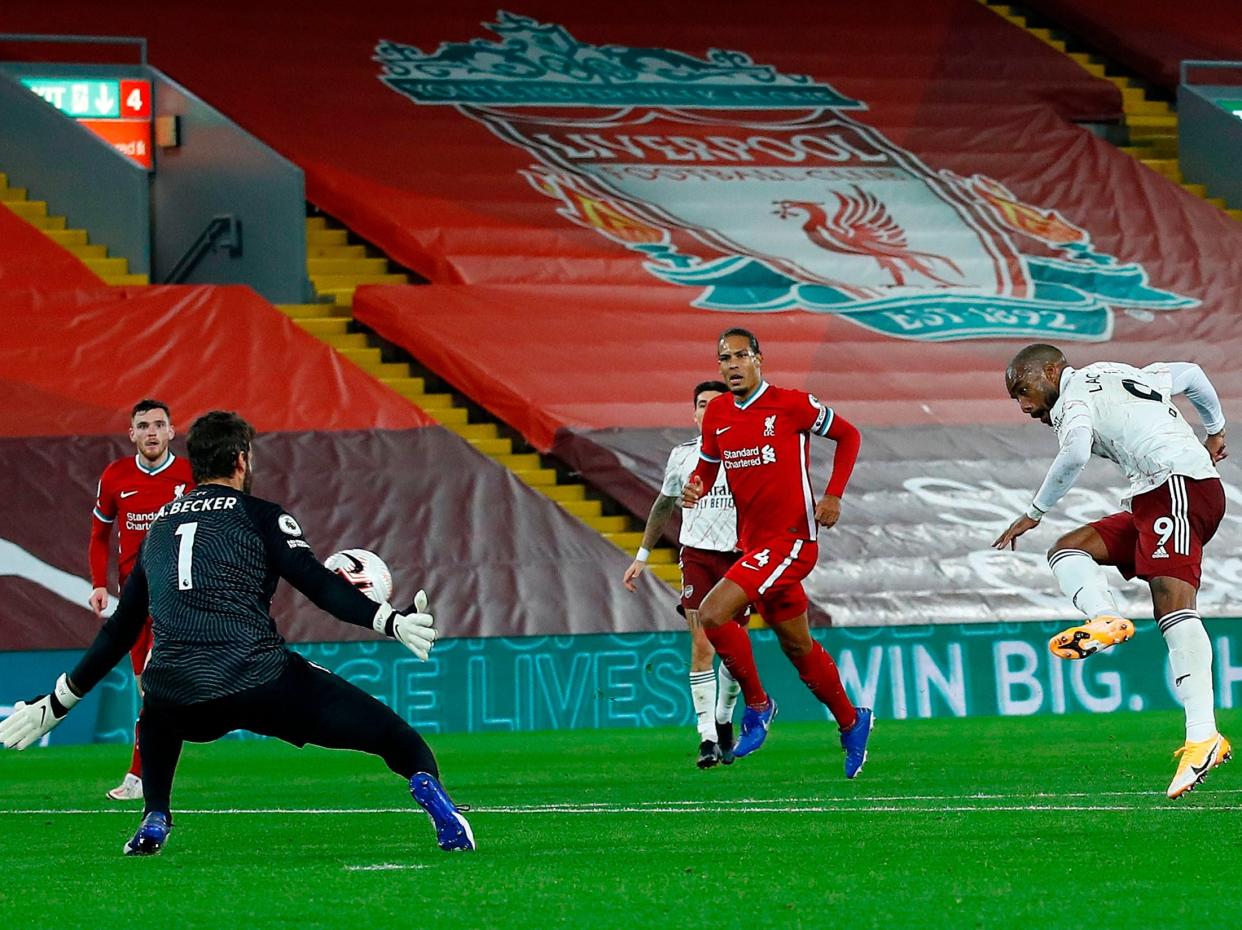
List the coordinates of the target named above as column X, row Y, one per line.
column 365, row 570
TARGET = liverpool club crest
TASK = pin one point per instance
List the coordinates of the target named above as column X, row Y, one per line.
column 670, row 157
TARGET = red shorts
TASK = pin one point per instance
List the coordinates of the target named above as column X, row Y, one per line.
column 141, row 650
column 1166, row 529
column 700, row 570
column 772, row 577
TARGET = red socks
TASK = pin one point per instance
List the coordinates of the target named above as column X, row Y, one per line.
column 820, row 674
column 135, row 763
column 732, row 644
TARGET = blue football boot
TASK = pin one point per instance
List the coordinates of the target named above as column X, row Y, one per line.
column 452, row 829
column 151, row 835
column 755, row 725
column 854, row 741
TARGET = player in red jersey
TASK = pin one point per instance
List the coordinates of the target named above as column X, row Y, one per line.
column 131, row 491
column 761, row 434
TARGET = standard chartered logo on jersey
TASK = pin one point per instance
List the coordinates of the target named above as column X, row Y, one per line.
column 662, row 153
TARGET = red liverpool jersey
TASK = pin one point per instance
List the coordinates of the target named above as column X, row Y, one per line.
column 129, row 495
column 764, row 445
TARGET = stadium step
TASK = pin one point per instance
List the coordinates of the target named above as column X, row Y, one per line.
column 113, row 270
column 1150, row 123
column 325, row 326
column 336, row 267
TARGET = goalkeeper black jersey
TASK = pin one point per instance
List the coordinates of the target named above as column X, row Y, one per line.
column 207, row 572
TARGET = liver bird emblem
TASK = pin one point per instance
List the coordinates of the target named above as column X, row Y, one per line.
column 863, row 226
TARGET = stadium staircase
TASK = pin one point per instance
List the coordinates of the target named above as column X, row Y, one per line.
column 338, row 266
column 1150, row 123
column 112, row 270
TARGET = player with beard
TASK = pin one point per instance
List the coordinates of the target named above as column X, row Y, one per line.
column 761, row 435
column 131, row 490
column 1172, row 509
column 208, row 569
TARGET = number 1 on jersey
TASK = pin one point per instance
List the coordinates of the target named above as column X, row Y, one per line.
column 185, row 555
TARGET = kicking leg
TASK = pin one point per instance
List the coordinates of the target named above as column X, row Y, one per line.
column 1075, row 560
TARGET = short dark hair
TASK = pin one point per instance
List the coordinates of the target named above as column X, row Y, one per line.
column 738, row 331
column 1038, row 355
column 214, row 442
column 149, row 403
column 718, row 386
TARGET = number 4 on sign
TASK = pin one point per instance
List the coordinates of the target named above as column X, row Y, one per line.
column 136, row 98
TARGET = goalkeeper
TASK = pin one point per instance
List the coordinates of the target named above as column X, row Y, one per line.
column 208, row 568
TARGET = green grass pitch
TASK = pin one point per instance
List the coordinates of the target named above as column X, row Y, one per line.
column 1030, row 822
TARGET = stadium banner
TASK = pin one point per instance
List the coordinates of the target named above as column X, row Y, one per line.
column 497, row 557
column 914, row 542
column 639, row 680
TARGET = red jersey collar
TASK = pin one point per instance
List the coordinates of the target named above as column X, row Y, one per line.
column 763, row 386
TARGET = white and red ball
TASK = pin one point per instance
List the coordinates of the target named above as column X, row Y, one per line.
column 365, row 570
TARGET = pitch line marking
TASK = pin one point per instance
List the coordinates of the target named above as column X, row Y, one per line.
column 383, row 867
column 680, row 808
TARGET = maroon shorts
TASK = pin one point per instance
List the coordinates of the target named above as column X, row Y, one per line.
column 772, row 577
column 1166, row 529
column 700, row 570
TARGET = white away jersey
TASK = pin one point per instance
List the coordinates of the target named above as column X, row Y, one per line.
column 1133, row 422
column 712, row 523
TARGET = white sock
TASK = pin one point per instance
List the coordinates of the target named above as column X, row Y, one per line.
column 726, row 695
column 1190, row 656
column 1083, row 582
column 703, row 696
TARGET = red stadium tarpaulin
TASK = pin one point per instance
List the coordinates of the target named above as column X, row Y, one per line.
column 438, row 192
column 73, row 363
column 356, row 463
column 30, row 259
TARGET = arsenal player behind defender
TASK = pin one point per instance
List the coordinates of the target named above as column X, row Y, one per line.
column 131, row 492
column 760, row 433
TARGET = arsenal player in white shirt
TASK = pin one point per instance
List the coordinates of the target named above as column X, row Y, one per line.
column 708, row 550
column 1173, row 507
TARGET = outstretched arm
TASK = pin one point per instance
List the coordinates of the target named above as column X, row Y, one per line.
column 32, row 720
column 661, row 512
column 294, row 561
column 117, row 636
column 1064, row 471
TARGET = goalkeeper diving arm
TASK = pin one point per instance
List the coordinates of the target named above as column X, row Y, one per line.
column 32, row 720
column 295, row 562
